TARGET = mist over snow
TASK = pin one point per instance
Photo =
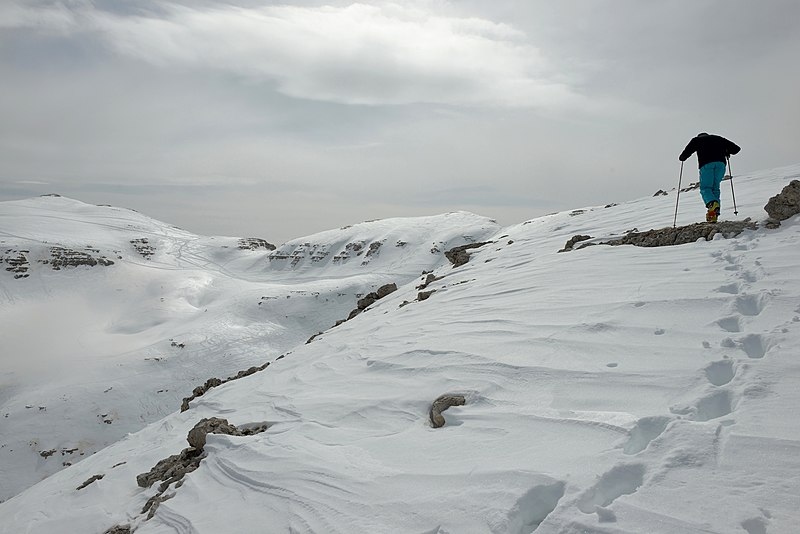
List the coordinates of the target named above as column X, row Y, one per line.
column 601, row 390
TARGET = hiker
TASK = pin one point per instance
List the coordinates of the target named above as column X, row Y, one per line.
column 712, row 153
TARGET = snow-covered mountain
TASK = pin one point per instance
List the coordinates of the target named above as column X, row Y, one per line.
column 109, row 318
column 603, row 390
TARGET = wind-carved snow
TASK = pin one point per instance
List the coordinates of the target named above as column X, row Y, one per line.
column 610, row 389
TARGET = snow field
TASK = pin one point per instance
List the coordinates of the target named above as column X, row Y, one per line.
column 608, row 390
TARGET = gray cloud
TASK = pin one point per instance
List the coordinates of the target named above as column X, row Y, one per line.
column 372, row 54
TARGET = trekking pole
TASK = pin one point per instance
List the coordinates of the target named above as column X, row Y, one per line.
column 680, row 177
column 730, row 171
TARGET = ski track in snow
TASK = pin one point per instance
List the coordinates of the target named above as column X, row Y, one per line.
column 658, row 397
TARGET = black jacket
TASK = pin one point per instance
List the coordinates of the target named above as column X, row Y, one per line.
column 709, row 148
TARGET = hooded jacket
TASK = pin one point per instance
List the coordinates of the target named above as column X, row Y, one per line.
column 709, row 148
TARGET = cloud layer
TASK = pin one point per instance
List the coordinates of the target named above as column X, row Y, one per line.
column 368, row 54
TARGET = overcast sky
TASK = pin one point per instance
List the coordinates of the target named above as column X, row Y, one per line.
column 279, row 120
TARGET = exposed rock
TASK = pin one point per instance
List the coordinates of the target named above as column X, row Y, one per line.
column 429, row 279
column 214, row 425
column 785, row 204
column 440, row 405
column 386, row 289
column 175, row 467
column 199, row 391
column 368, row 300
column 172, row 468
column 17, row 262
column 64, row 257
column 575, row 239
column 374, row 249
column 459, row 256
column 355, row 248
column 424, row 295
column 691, row 187
column 684, row 234
column 254, row 243
column 47, row 454
column 90, row 481
column 119, row 529
column 665, row 237
column 142, row 246
column 152, row 504
column 362, row 304
column 660, row 193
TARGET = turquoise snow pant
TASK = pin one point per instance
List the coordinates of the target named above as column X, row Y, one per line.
column 711, row 175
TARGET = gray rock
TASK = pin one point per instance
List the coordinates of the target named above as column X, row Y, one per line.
column 213, row 425
column 172, row 468
column 199, row 391
column 254, row 243
column 385, row 290
column 119, row 529
column 175, row 467
column 152, row 503
column 90, row 481
column 571, row 242
column 785, row 204
column 424, row 295
column 368, row 300
column 458, row 256
column 440, row 405
column 429, row 279
column 680, row 235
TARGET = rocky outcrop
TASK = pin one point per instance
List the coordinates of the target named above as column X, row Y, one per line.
column 680, row 235
column 17, row 262
column 91, row 480
column 216, row 425
column 429, row 279
column 363, row 303
column 666, row 237
column 173, row 469
column 784, row 205
column 254, row 243
column 573, row 241
column 199, row 391
column 119, row 529
column 371, row 298
column 63, row 257
column 143, row 247
column 691, row 187
column 441, row 404
column 459, row 256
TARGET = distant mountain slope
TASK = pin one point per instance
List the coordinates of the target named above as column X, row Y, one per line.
column 605, row 390
column 109, row 318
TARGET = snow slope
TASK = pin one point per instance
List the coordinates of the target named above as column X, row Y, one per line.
column 608, row 390
column 91, row 353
